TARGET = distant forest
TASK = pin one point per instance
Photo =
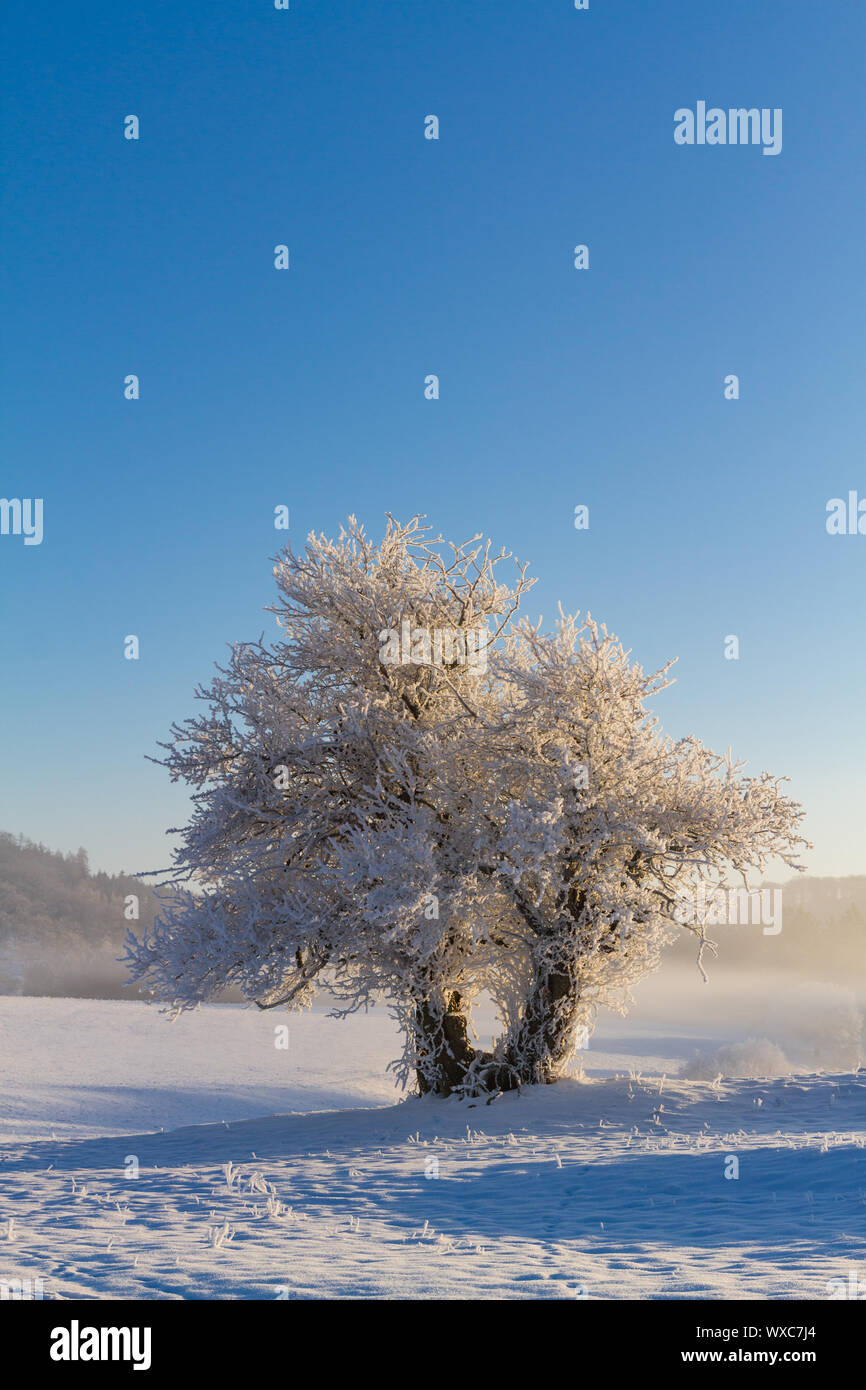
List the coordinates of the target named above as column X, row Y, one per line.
column 823, row 934
column 62, row 928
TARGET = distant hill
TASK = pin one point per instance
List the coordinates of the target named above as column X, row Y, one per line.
column 62, row 927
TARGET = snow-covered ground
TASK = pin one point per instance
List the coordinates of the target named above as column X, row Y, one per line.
column 195, row 1159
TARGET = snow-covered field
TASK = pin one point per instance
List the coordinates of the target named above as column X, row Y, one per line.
column 146, row 1159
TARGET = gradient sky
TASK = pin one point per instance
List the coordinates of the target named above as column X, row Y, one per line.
column 409, row 257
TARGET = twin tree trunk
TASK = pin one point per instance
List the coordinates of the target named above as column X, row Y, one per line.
column 533, row 1052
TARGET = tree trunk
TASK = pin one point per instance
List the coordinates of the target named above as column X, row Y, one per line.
column 543, row 1040
column 444, row 1052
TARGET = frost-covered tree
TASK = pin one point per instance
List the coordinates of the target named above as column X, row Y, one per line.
column 410, row 796
column 330, row 842
column 598, row 825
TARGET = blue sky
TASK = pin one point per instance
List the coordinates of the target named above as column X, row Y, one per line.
column 409, row 257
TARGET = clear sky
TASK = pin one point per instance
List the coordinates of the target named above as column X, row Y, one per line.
column 409, row 256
